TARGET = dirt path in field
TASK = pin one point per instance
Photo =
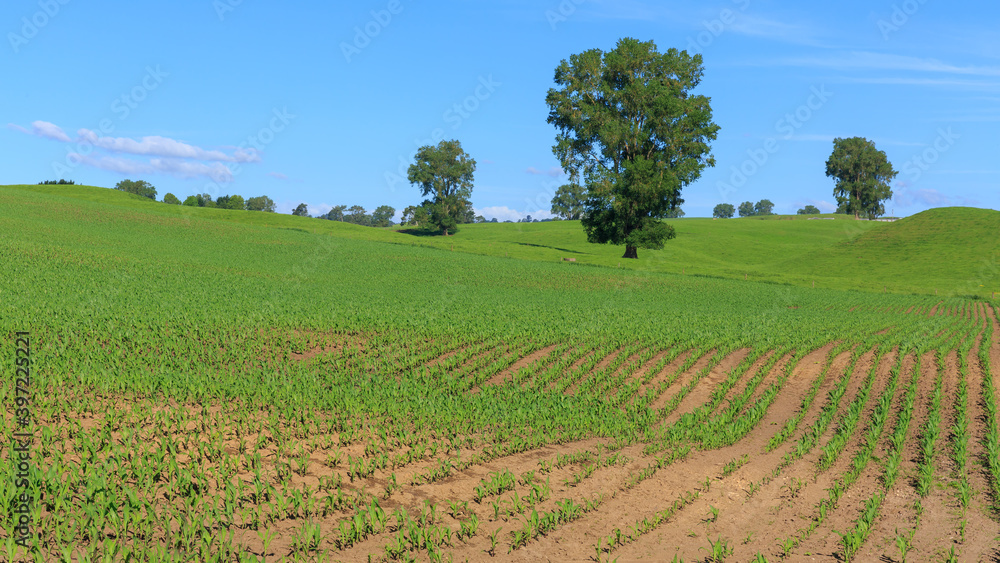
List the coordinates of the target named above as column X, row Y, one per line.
column 980, row 529
column 784, row 504
column 897, row 508
column 508, row 374
column 745, row 378
column 659, row 491
column 737, row 515
column 825, row 539
column 938, row 529
column 681, row 380
column 703, row 389
column 666, row 372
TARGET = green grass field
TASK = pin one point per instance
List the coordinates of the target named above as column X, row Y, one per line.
column 946, row 251
column 211, row 385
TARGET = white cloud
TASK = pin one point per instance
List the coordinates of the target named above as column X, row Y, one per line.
column 155, row 145
column 43, row 129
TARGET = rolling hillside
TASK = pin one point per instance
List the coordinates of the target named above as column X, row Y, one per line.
column 948, row 251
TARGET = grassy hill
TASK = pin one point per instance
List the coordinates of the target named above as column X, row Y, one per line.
column 951, row 251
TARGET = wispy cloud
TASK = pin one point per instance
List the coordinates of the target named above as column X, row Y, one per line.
column 164, row 155
column 867, row 60
column 155, row 145
column 277, row 175
column 43, row 129
column 553, row 172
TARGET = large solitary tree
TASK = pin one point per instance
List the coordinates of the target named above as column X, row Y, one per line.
column 629, row 127
column 445, row 173
column 863, row 174
column 724, row 211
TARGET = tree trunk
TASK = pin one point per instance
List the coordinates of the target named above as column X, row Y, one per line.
column 631, row 252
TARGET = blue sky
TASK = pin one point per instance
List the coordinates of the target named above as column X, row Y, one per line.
column 326, row 103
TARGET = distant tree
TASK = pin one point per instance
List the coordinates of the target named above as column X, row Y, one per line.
column 863, row 174
column 137, row 187
column 205, row 200
column 494, row 220
column 809, row 210
column 569, row 201
column 60, row 182
column 302, row 210
column 191, row 201
column 357, row 215
column 763, row 207
column 468, row 214
column 480, row 219
column 382, row 216
column 724, row 211
column 230, row 202
column 444, row 172
column 675, row 213
column 171, row 199
column 261, row 203
column 746, row 209
column 336, row 213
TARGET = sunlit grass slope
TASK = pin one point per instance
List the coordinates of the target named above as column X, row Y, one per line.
column 951, row 251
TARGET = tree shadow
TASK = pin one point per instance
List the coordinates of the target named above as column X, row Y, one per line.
column 552, row 247
column 421, row 232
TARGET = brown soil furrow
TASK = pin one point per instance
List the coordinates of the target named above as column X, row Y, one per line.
column 787, row 502
column 776, row 371
column 664, row 373
column 573, row 367
column 686, row 475
column 980, row 529
column 740, row 517
column 603, row 363
column 897, row 512
column 703, row 389
column 508, row 374
column 995, row 348
column 461, row 486
column 681, row 380
column 659, row 491
column 745, row 379
column 641, row 372
column 939, row 522
column 825, row 540
column 934, row 309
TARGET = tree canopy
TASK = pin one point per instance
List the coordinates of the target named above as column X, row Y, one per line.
column 568, row 201
column 171, row 199
column 137, row 187
column 724, row 211
column 863, row 174
column 445, row 172
column 746, row 209
column 628, row 125
column 260, row 203
column 302, row 210
column 809, row 210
